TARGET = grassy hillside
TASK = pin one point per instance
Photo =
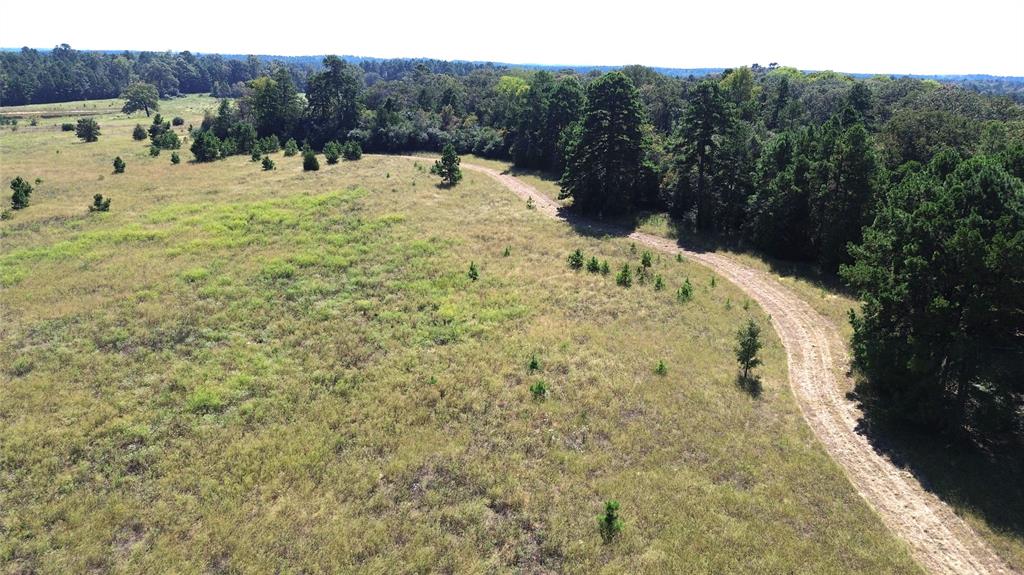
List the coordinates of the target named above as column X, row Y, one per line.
column 245, row 371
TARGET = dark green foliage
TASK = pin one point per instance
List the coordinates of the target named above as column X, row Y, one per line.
column 255, row 156
column 748, row 345
column 268, row 145
column 332, row 151
column 154, row 150
column 661, row 368
column 309, row 161
column 659, row 283
column 609, row 524
column 576, row 260
column 605, row 268
column 549, row 109
column 268, row 164
column 87, row 129
column 22, row 193
column 167, row 141
column 534, row 364
column 448, row 166
column 118, row 165
column 140, row 96
column 332, row 110
column 274, row 104
column 99, row 204
column 206, row 147
column 228, row 147
column 593, row 266
column 351, row 150
column 940, row 271
column 178, row 121
column 507, row 252
column 539, row 390
column 139, row 133
column 625, row 276
column 646, row 259
column 175, row 158
column 607, row 171
column 67, row 127
column 290, row 147
column 474, row 273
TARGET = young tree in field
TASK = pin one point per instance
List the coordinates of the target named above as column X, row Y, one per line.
column 99, row 204
column 940, row 272
column 290, row 147
column 87, row 129
column 748, row 344
column 309, row 161
column 22, row 193
column 332, row 151
column 139, row 133
column 448, row 166
column 140, row 96
column 605, row 172
column 118, row 165
column 206, row 147
column 351, row 150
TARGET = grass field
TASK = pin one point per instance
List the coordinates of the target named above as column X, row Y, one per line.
column 238, row 371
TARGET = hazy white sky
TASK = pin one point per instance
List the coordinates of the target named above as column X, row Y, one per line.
column 894, row 36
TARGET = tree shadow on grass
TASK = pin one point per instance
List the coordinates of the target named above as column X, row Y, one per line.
column 987, row 479
column 750, row 384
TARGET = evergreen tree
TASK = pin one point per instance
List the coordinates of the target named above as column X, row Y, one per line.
column 448, row 166
column 118, row 165
column 332, row 151
column 606, row 171
column 332, row 97
column 22, row 193
column 139, row 133
column 748, row 345
column 351, row 150
column 206, row 147
column 99, row 204
column 87, row 129
column 309, row 161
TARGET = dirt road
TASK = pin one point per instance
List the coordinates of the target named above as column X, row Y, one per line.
column 938, row 539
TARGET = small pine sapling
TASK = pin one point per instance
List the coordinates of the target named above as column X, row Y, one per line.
column 609, row 524
column 474, row 273
column 99, row 204
column 576, row 260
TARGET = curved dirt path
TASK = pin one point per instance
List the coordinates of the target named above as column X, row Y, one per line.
column 938, row 538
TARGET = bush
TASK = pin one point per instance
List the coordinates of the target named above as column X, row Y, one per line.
column 175, row 158
column 748, row 344
column 167, row 141
column 268, row 164
column 474, row 273
column 605, row 268
column 539, row 390
column 206, row 147
column 685, row 292
column 290, row 147
column 269, row 145
column 255, row 156
column 228, row 147
column 67, row 127
column 448, row 166
column 659, row 284
column 87, row 129
column 645, row 259
column 33, row 122
column 21, row 366
column 593, row 266
column 576, row 260
column 309, row 161
column 351, row 150
column 507, row 252
column 118, row 165
column 99, row 204
column 22, row 193
column 178, row 121
column 154, row 151
column 534, row 364
column 139, row 133
column 332, row 151
column 625, row 276
column 661, row 368
column 609, row 524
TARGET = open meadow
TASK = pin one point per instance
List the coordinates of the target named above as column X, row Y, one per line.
column 246, row 371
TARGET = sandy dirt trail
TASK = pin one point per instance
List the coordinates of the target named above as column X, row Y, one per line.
column 939, row 540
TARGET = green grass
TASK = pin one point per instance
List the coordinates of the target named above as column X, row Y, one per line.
column 245, row 371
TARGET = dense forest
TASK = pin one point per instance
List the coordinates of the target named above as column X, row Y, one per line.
column 910, row 190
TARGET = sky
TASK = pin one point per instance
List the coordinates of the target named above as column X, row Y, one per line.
column 871, row 36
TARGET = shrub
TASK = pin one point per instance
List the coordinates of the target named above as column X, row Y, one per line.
column 351, row 150
column 507, row 252
column 539, row 390
column 255, row 156
column 167, row 141
column 206, row 147
column 21, row 366
column 139, row 133
column 748, row 344
column 645, row 259
column 661, row 368
column 87, row 129
column 268, row 164
column 22, row 193
column 529, row 203
column 605, row 268
column 659, row 284
column 534, row 364
column 228, row 147
column 712, row 281
column 309, row 161
column 448, row 166
column 593, row 266
column 576, row 260
column 269, row 145
column 474, row 273
column 679, row 258
column 290, row 147
column 609, row 524
column 332, row 151
column 625, row 276
column 175, row 158
column 154, row 151
column 99, row 204
column 178, row 121
column 685, row 292
column 67, row 127
column 33, row 122
column 118, row 165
